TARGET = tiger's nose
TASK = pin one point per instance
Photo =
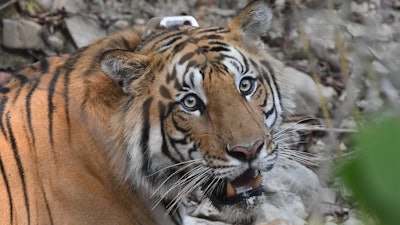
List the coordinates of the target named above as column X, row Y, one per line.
column 245, row 153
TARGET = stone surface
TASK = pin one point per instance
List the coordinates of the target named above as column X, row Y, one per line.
column 72, row 6
column 292, row 191
column 290, row 177
column 21, row 34
column 84, row 30
column 306, row 98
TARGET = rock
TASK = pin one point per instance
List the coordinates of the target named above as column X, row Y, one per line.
column 318, row 148
column 359, row 7
column 55, row 41
column 328, row 195
column 306, row 98
column 292, row 191
column 13, row 62
column 139, row 21
column 84, row 30
column 4, row 77
column 348, row 124
column 21, row 34
column 289, row 177
column 276, row 215
column 329, row 93
column 72, row 6
column 118, row 25
column 46, row 5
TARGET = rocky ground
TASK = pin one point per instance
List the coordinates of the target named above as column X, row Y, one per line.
column 344, row 57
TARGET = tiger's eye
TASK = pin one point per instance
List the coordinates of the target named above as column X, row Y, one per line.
column 246, row 86
column 191, row 102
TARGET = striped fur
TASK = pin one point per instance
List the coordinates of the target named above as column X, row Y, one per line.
column 85, row 136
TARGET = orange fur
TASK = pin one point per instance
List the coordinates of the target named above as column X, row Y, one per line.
column 68, row 181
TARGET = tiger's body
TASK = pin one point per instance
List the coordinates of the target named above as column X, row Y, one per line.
column 142, row 118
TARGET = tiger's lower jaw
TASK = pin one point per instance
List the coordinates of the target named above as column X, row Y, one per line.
column 242, row 191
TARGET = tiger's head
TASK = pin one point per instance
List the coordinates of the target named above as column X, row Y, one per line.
column 199, row 113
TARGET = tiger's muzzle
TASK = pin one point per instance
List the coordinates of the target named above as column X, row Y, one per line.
column 245, row 187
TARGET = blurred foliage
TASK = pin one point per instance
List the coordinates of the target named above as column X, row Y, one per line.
column 373, row 174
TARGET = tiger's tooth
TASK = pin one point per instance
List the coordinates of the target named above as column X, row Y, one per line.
column 257, row 181
column 229, row 190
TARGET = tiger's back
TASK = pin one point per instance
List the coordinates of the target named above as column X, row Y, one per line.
column 49, row 159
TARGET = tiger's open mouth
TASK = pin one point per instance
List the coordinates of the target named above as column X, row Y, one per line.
column 242, row 188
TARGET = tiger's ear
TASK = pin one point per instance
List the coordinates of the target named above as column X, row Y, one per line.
column 253, row 21
column 124, row 67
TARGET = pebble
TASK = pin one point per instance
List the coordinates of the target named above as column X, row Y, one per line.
column 21, row 34
column 46, row 5
column 318, row 148
column 328, row 195
column 55, row 41
column 361, row 8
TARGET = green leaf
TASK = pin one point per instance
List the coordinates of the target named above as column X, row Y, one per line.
column 373, row 174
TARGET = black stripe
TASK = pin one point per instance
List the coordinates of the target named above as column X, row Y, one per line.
column 246, row 63
column 164, row 147
column 211, row 36
column 218, row 43
column 23, row 81
column 219, row 49
column 172, row 41
column 271, row 71
column 19, row 165
column 176, row 218
column 4, row 175
column 178, row 47
column 47, row 206
column 186, row 57
column 144, row 140
column 28, row 107
column 269, row 113
column 173, row 33
column 150, row 38
column 4, row 90
column 52, row 88
column 2, row 108
column 66, row 103
column 44, row 65
column 212, row 30
column 69, row 67
column 177, row 127
column 164, row 92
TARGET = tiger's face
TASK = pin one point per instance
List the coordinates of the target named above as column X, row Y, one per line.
column 219, row 119
column 201, row 108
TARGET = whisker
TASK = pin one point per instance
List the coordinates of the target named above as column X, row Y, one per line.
column 301, row 157
column 170, row 176
column 175, row 165
column 294, row 124
column 176, row 184
column 192, row 182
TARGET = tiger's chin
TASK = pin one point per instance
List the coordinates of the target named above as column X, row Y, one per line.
column 238, row 201
column 242, row 190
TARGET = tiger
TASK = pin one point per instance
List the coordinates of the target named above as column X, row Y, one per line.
column 126, row 129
